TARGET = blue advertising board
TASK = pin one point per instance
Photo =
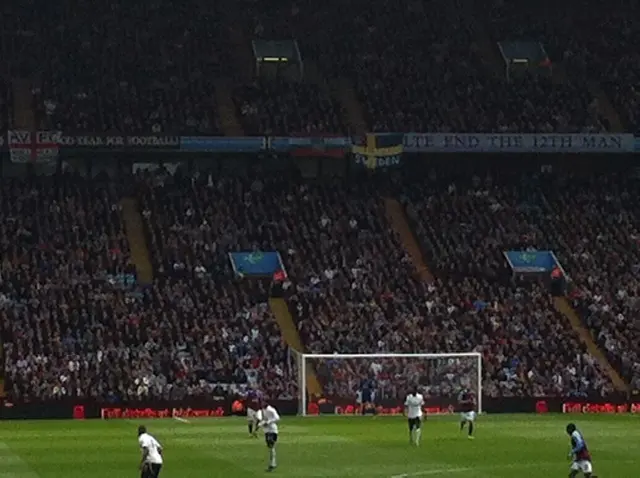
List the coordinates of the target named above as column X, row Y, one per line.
column 531, row 261
column 256, row 263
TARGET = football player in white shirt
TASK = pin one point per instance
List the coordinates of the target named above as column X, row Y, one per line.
column 413, row 410
column 151, row 462
column 269, row 423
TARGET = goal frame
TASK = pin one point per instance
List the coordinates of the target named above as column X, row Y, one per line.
column 302, row 368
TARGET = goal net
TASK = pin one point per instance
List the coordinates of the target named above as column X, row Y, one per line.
column 352, row 384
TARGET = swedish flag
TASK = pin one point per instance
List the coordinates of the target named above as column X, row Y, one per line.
column 379, row 150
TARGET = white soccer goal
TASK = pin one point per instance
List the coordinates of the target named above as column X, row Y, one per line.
column 339, row 379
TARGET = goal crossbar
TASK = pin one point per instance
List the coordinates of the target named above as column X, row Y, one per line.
column 365, row 356
column 302, row 368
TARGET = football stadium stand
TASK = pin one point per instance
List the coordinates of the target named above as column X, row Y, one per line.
column 121, row 286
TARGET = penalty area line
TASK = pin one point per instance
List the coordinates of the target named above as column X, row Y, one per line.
column 446, row 471
column 181, row 420
column 437, row 471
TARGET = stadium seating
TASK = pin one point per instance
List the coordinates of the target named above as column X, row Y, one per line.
column 191, row 227
column 465, row 224
column 598, row 47
column 86, row 328
column 427, row 75
column 96, row 70
column 76, row 322
column 527, row 210
column 285, row 108
column 603, row 259
column 470, row 309
column 66, row 309
column 348, row 270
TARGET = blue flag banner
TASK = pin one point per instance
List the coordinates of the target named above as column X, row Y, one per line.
column 532, row 261
column 256, row 263
column 379, row 150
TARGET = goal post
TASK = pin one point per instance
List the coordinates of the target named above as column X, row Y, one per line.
column 354, row 384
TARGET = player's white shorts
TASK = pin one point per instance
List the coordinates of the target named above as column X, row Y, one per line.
column 254, row 415
column 582, row 465
column 468, row 416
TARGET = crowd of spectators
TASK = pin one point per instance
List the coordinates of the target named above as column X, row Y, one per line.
column 599, row 246
column 599, row 45
column 468, row 222
column 352, row 287
column 64, row 262
column 465, row 223
column 367, row 301
column 435, row 75
column 288, row 108
column 428, row 75
column 76, row 321
column 192, row 224
column 526, row 104
column 116, row 67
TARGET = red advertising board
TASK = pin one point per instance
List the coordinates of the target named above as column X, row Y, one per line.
column 600, row 408
column 354, row 409
column 126, row 412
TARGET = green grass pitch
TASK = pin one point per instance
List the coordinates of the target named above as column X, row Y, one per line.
column 507, row 446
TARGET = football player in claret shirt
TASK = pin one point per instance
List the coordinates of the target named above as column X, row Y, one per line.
column 254, row 414
column 579, row 454
column 467, row 405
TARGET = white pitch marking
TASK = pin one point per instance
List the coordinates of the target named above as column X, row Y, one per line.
column 24, row 471
column 181, row 420
column 437, row 471
column 445, row 471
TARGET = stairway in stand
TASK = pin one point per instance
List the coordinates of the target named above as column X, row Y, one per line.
column 291, row 337
column 398, row 219
column 244, row 59
column 488, row 51
column 562, row 305
column 2, row 394
column 344, row 93
column 226, row 109
column 23, row 115
column 605, row 107
column 137, row 240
